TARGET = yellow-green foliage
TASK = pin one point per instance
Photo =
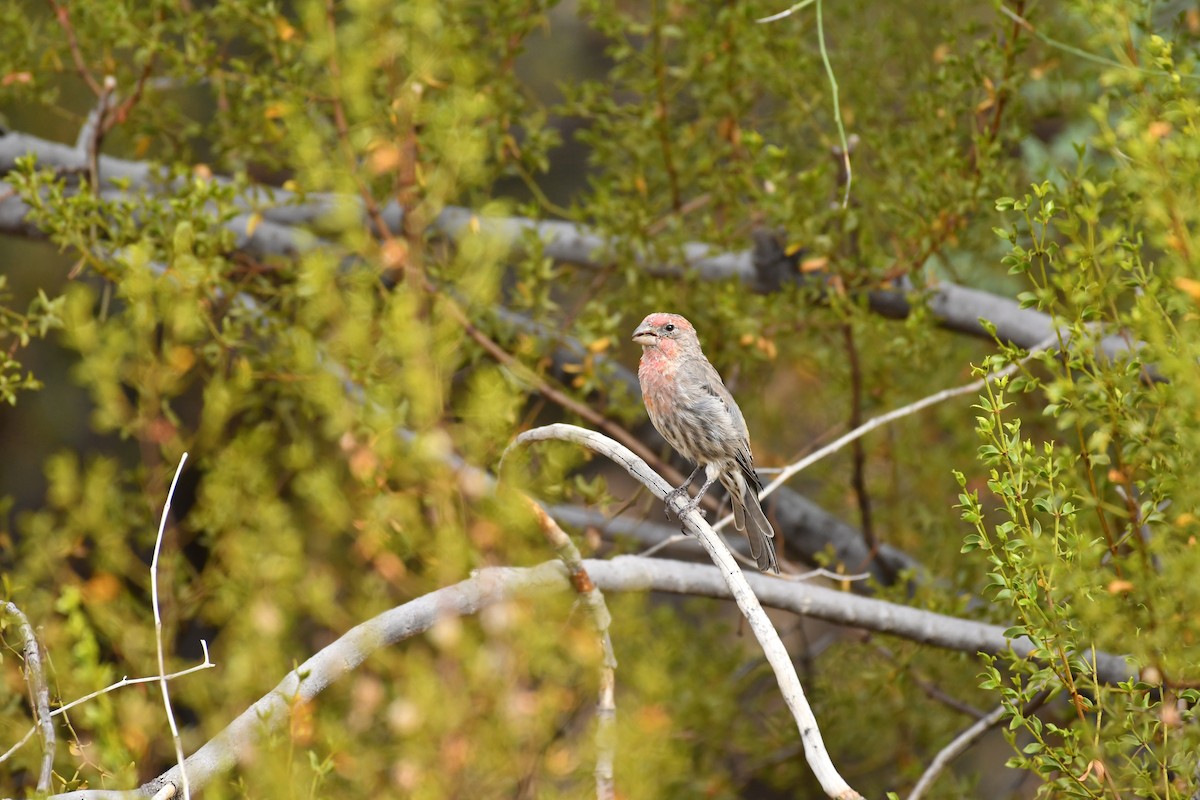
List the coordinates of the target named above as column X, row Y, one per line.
column 326, row 395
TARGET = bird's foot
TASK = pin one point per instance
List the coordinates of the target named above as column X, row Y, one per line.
column 670, row 498
column 681, row 492
column 693, row 505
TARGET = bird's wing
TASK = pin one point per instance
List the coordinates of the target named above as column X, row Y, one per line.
column 711, row 395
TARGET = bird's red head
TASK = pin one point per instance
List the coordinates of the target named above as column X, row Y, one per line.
column 661, row 325
column 664, row 336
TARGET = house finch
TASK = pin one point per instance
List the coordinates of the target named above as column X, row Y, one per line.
column 690, row 406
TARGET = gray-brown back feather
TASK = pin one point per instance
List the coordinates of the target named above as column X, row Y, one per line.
column 749, row 518
column 703, row 393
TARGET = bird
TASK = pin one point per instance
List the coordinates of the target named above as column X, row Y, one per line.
column 689, row 405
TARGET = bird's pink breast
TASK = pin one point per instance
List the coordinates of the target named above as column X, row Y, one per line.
column 656, row 368
column 656, row 374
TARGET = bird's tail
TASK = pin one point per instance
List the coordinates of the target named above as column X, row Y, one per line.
column 749, row 518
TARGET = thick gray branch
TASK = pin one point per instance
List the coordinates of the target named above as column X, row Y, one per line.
column 633, row 573
column 762, row 267
column 623, row 574
column 807, row 530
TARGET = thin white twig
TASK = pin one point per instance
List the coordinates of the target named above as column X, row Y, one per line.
column 818, row 758
column 821, row 572
column 158, row 639
column 208, row 664
column 592, row 599
column 891, row 416
column 953, row 750
column 833, row 86
column 126, row 681
column 786, row 13
column 670, row 540
column 837, row 104
column 20, row 743
column 606, row 730
column 39, row 693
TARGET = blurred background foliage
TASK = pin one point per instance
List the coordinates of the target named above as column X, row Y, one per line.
column 1043, row 151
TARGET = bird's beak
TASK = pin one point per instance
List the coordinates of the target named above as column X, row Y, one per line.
column 644, row 335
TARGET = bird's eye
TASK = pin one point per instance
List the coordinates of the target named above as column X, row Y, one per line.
column 669, row 328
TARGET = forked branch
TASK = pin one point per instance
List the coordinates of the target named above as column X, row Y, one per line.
column 768, row 638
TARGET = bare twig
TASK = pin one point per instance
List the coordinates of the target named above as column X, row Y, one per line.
column 64, row 20
column 892, row 416
column 21, row 742
column 593, row 600
column 781, row 663
column 92, row 132
column 39, row 691
column 833, row 87
column 207, row 664
column 121, row 112
column 665, row 543
column 828, row 574
column 787, row 12
column 859, row 460
column 158, row 639
column 967, row 738
column 126, row 681
column 953, row 750
column 837, row 106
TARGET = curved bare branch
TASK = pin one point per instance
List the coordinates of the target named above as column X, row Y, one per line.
column 739, row 589
column 622, row 574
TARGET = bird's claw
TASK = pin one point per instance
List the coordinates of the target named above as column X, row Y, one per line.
column 689, row 507
column 686, row 509
column 694, row 505
column 679, row 492
column 670, row 498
